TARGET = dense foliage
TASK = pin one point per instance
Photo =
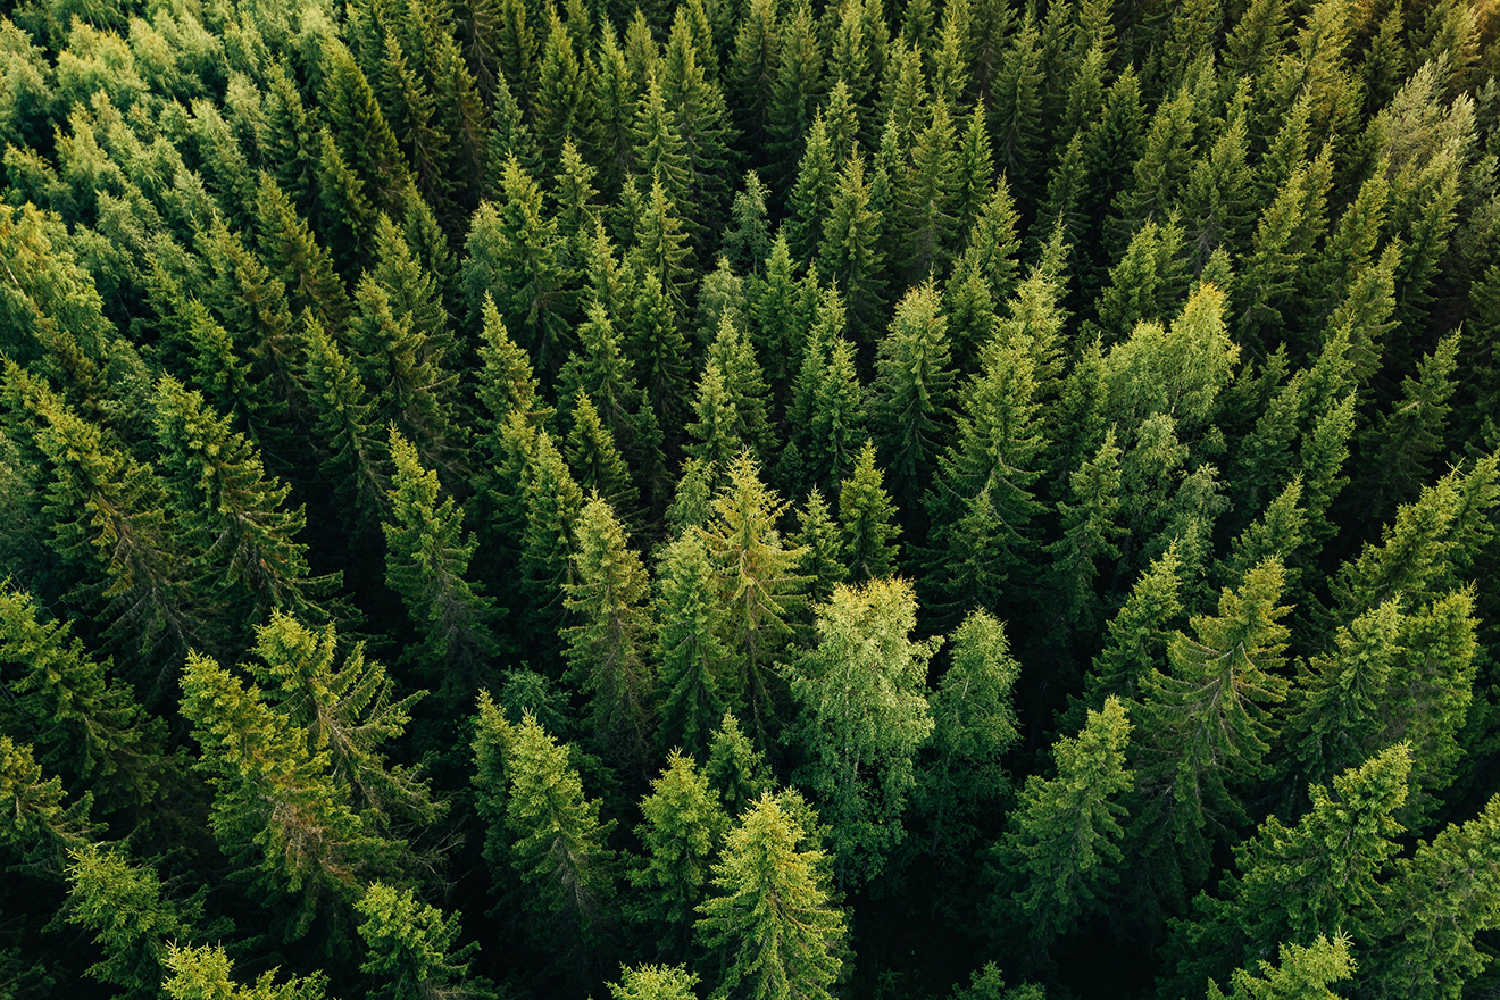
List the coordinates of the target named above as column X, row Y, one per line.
column 750, row 499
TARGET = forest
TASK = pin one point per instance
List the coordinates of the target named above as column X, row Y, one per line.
column 750, row 499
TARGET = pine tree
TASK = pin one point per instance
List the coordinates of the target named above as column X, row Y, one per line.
column 913, row 390
column 974, row 725
column 294, row 255
column 559, row 109
column 1318, row 877
column 657, row 347
column 38, row 830
column 690, row 66
column 413, row 944
column 928, row 198
column 689, row 651
column 715, row 434
column 605, row 650
column 768, row 891
column 661, row 251
column 1404, row 441
column 658, row 150
column 863, row 717
column 548, row 510
column 795, row 89
column 362, row 133
column 427, row 558
column 557, row 843
column 1063, row 846
column 732, row 352
column 865, row 512
column 683, row 829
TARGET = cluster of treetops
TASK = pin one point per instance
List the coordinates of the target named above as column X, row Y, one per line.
column 749, row 498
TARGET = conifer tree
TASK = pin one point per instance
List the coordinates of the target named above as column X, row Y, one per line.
column 108, row 512
column 1303, row 973
column 293, row 253
column 133, row 922
column 596, row 463
column 657, row 347
column 690, row 655
column 661, row 251
column 1404, row 441
column 349, row 710
column 354, row 448
column 684, row 827
column 690, row 66
column 928, row 199
column 850, row 255
column 203, row 972
column 811, row 195
column 655, row 982
column 278, row 813
column 974, row 725
column 557, row 845
column 427, row 558
column 605, row 650
column 715, row 433
column 1063, row 848
column 822, row 538
column 1203, row 725
column 865, row 512
column 795, row 89
column 1089, row 530
column 1015, row 116
column 1318, row 877
column 38, row 830
column 769, row 891
column 1438, row 900
column 735, row 769
column 733, row 353
column 836, row 417
column 234, row 513
column 83, row 722
column 413, row 944
column 758, row 587
column 863, row 717
column 979, row 503
column 913, row 390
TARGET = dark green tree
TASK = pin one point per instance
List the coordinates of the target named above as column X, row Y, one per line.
column 865, row 513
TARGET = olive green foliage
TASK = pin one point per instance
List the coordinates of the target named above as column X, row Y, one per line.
column 749, row 499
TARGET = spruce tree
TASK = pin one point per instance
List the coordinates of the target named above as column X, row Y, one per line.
column 278, row 814
column 822, row 538
column 234, row 513
column 769, row 921
column 913, row 390
column 850, row 255
column 202, row 972
column 427, row 559
column 83, row 722
column 974, row 726
column 865, row 512
column 758, row 586
column 606, row 649
column 684, row 827
column 691, row 659
column 1063, row 846
column 354, row 448
column 412, row 947
column 133, row 921
column 557, row 844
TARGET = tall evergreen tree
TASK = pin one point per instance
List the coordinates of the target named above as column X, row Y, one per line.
column 865, row 512
column 913, row 390
column 690, row 654
column 427, row 558
column 606, row 649
column 769, row 921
